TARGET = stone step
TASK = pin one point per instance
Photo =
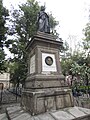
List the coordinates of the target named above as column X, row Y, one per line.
column 71, row 113
column 3, row 116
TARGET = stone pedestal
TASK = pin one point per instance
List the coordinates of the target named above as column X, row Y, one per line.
column 45, row 87
column 48, row 100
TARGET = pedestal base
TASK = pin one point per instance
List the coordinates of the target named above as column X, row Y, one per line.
column 46, row 100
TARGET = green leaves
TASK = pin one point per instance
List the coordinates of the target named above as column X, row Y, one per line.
column 53, row 24
column 3, row 30
column 86, row 40
column 23, row 27
column 77, row 64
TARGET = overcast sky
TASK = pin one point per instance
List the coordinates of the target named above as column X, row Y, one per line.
column 71, row 14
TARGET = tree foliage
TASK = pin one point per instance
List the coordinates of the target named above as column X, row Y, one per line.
column 3, row 31
column 86, row 40
column 78, row 63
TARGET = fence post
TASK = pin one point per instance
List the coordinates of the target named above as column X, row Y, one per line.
column 1, row 86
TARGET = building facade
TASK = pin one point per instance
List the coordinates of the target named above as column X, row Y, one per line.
column 4, row 80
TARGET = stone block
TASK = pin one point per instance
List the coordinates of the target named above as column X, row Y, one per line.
column 45, row 116
column 3, row 116
column 59, row 102
column 44, row 81
column 13, row 109
column 85, row 110
column 62, row 115
column 16, row 114
column 76, row 112
column 47, row 100
column 24, row 116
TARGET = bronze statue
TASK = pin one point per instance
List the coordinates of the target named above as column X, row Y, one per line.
column 43, row 21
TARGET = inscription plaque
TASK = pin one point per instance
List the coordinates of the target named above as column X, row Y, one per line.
column 32, row 64
column 48, row 62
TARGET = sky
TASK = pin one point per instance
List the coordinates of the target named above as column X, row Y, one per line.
column 71, row 14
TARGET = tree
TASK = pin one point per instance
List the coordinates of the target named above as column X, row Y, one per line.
column 86, row 40
column 86, row 47
column 77, row 64
column 53, row 24
column 23, row 27
column 3, row 30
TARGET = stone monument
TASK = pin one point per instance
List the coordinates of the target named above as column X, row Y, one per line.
column 45, row 87
column 46, row 96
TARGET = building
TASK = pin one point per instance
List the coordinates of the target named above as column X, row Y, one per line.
column 4, row 80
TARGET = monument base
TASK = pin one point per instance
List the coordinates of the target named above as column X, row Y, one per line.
column 46, row 100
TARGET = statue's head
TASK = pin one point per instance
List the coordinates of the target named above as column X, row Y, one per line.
column 42, row 8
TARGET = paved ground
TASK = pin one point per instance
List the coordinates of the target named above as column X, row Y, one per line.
column 70, row 113
column 8, row 99
column 4, row 106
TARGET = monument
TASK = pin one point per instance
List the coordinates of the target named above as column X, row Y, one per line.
column 45, row 87
column 46, row 96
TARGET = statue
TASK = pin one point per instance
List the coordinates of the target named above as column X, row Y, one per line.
column 43, row 21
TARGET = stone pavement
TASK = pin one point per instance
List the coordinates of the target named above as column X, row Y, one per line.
column 71, row 113
column 8, row 97
column 3, row 116
column 4, row 106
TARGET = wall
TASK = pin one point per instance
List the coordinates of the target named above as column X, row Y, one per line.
column 4, row 78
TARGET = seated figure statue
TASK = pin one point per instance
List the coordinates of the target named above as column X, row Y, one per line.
column 43, row 21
